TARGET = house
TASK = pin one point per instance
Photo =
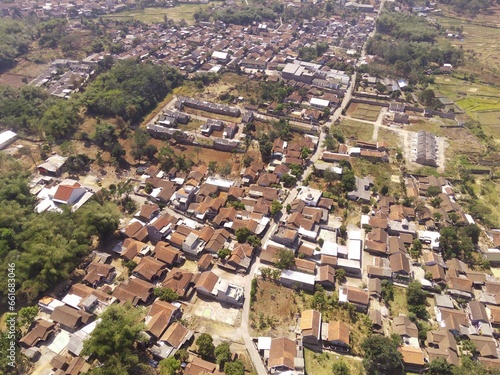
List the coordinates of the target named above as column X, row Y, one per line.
column 160, row 227
column 442, row 344
column 240, row 258
column 53, row 166
column 212, row 286
column 98, row 273
column 426, row 149
column 362, row 192
column 192, row 245
column 150, row 269
column 199, row 367
column 310, row 328
column 325, row 276
column 400, row 265
column 282, row 355
column 405, row 328
column 336, row 335
column 285, row 236
column 205, row 262
column 298, row 280
column 147, row 212
column 413, row 359
column 159, row 316
column 131, row 248
column 167, row 254
column 134, row 290
column 357, row 296
column 459, row 287
column 40, row 331
column 173, row 339
column 180, row 281
column 69, row 192
column 70, row 318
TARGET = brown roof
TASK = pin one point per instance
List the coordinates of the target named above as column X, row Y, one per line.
column 207, row 281
column 175, row 335
column 149, row 268
column 399, row 263
column 326, row 273
column 148, row 210
column 458, row 283
column 131, row 247
column 177, row 239
column 131, row 229
column 159, row 316
column 338, row 331
column 282, row 353
column 270, row 253
column 437, row 272
column 328, row 260
column 77, row 366
column 376, row 247
column 494, row 314
column 178, row 280
column 134, row 291
column 310, row 323
column 305, row 265
column 306, row 250
column 205, row 261
column 378, row 235
column 378, row 222
column 404, row 327
column 453, row 319
column 198, row 367
column 63, row 192
column 412, row 356
column 357, row 295
column 97, row 271
column 70, row 317
column 40, row 331
column 166, row 253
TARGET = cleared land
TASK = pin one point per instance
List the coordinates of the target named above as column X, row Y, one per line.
column 398, row 306
column 480, row 102
column 483, row 39
column 356, row 130
column 275, row 309
column 363, row 111
column 321, row 363
column 156, row 15
column 381, row 172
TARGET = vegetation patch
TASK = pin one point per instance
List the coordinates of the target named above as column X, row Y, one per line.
column 322, row 363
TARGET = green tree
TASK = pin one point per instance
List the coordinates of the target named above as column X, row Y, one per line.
column 222, row 354
column 416, row 299
column 212, row 166
column 381, row 356
column 254, row 241
column 266, row 147
column 234, row 368
column 224, row 253
column 286, row 259
column 141, row 139
column 182, row 355
column 26, row 316
column 61, row 120
column 288, row 180
column 113, row 340
column 276, row 207
column 340, row 275
column 416, row 249
column 169, row 366
column 225, row 169
column 242, row 234
column 348, row 180
column 205, row 345
column 166, row 294
column 340, row 368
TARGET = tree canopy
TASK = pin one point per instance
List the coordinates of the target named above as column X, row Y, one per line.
column 381, row 356
column 130, row 90
column 46, row 247
column 113, row 340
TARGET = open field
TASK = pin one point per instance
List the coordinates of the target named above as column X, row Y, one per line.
column 275, row 309
column 398, row 306
column 391, row 137
column 356, row 130
column 363, row 111
column 156, row 15
column 480, row 102
column 321, row 363
column 381, row 172
column 484, row 41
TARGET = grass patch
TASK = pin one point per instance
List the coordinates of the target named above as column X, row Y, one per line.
column 156, row 15
column 381, row 172
column 392, row 138
column 356, row 130
column 364, row 111
column 275, row 308
column 321, row 363
column 399, row 305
